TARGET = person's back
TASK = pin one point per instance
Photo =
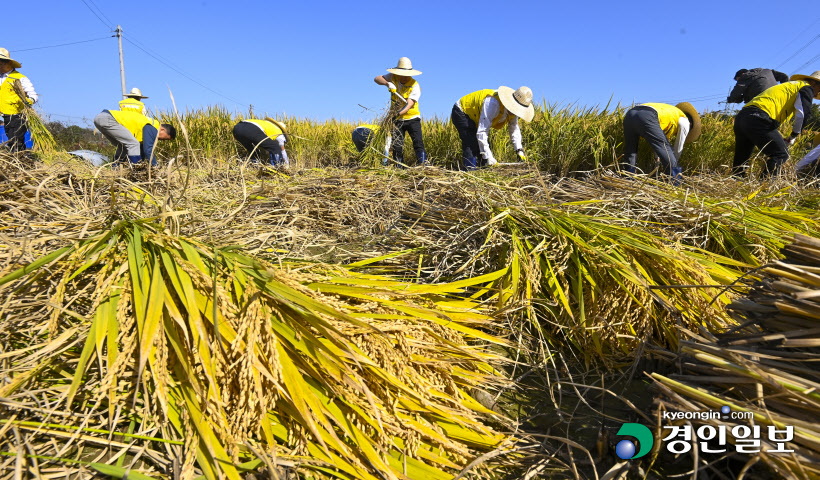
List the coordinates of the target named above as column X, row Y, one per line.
column 751, row 83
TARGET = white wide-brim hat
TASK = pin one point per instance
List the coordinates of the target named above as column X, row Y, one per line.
column 135, row 93
column 281, row 126
column 518, row 102
column 404, row 68
column 4, row 55
column 814, row 76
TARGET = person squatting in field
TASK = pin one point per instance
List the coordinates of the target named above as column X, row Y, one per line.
column 657, row 123
column 476, row 113
column 751, row 83
column 133, row 101
column 12, row 106
column 364, row 134
column 756, row 125
column 267, row 136
column 405, row 94
column 134, row 134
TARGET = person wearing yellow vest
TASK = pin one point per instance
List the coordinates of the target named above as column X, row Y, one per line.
column 266, row 135
column 364, row 134
column 657, row 123
column 405, row 94
column 476, row 113
column 756, row 125
column 133, row 101
column 134, row 134
column 11, row 105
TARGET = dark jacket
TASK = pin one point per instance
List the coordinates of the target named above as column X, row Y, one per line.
column 753, row 82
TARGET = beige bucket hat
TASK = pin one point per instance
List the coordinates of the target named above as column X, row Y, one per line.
column 814, row 76
column 281, row 126
column 694, row 130
column 518, row 102
column 135, row 93
column 404, row 68
column 4, row 55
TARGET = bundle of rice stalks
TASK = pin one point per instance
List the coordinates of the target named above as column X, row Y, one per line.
column 766, row 366
column 154, row 352
column 39, row 133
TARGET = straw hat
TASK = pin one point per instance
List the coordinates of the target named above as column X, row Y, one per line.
column 814, row 76
column 4, row 55
column 694, row 130
column 518, row 102
column 281, row 126
column 135, row 93
column 404, row 68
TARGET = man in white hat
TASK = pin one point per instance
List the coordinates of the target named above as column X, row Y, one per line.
column 756, row 125
column 134, row 134
column 132, row 101
column 476, row 113
column 267, row 136
column 657, row 123
column 12, row 106
column 405, row 95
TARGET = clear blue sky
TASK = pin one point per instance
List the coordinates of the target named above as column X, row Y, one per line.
column 318, row 59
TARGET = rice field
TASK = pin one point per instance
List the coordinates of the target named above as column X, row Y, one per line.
column 213, row 319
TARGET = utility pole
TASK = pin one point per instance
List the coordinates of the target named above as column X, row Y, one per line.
column 122, row 64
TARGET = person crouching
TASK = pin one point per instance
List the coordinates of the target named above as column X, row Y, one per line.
column 134, row 134
column 657, row 123
column 266, row 135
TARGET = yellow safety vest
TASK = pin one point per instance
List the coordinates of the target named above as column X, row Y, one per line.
column 132, row 104
column 778, row 101
column 270, row 128
column 404, row 89
column 472, row 102
column 372, row 128
column 10, row 102
column 133, row 121
column 668, row 115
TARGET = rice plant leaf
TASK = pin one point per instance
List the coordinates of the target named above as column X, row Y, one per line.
column 35, row 265
column 79, row 371
column 119, row 472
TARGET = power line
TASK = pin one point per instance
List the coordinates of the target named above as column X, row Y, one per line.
column 61, row 44
column 799, row 50
column 101, row 12
column 96, row 15
column 155, row 57
column 797, row 36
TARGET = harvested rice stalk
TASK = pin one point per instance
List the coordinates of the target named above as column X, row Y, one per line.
column 42, row 138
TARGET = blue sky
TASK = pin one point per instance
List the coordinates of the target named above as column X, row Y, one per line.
column 318, row 59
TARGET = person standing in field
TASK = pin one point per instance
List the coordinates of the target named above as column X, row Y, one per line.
column 266, row 135
column 364, row 134
column 657, row 123
column 476, row 113
column 134, row 134
column 133, row 101
column 751, row 83
column 14, row 101
column 405, row 94
column 756, row 125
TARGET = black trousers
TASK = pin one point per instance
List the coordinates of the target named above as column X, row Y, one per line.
column 643, row 122
column 755, row 128
column 467, row 130
column 250, row 136
column 361, row 137
column 413, row 127
column 16, row 131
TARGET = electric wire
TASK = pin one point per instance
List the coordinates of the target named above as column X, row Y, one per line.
column 805, row 46
column 180, row 72
column 62, row 44
column 96, row 15
column 110, row 23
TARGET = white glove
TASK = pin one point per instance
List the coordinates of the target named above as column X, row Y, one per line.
column 491, row 161
column 391, row 86
column 790, row 141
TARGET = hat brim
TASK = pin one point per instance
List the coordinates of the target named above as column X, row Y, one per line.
column 14, row 63
column 505, row 94
column 403, row 72
column 697, row 125
column 135, row 96
column 797, row 76
column 281, row 127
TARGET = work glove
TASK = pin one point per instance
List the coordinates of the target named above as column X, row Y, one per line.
column 792, row 138
column 392, row 87
column 521, row 155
